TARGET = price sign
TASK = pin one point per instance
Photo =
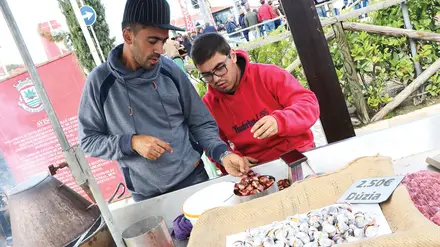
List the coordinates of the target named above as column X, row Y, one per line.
column 371, row 190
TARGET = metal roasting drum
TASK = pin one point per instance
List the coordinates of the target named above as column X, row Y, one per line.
column 47, row 213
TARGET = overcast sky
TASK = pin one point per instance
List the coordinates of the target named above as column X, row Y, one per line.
column 28, row 19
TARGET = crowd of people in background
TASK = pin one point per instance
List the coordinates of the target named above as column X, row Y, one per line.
column 268, row 14
column 251, row 24
column 323, row 12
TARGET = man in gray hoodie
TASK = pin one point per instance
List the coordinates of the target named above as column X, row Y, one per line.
column 140, row 109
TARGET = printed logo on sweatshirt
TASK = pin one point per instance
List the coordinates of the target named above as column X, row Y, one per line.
column 250, row 122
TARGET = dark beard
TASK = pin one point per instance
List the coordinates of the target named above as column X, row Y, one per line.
column 144, row 61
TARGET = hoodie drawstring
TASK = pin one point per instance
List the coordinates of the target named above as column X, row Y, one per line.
column 131, row 112
column 161, row 102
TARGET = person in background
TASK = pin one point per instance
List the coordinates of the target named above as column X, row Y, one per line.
column 276, row 14
column 260, row 108
column 209, row 28
column 322, row 12
column 187, row 44
column 199, row 30
column 346, row 4
column 221, row 27
column 265, row 14
column 283, row 13
column 260, row 27
column 171, row 50
column 362, row 4
column 140, row 109
column 179, row 38
column 193, row 35
column 242, row 23
column 231, row 27
column 251, row 19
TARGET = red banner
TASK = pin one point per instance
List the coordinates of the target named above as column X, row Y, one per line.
column 27, row 140
column 187, row 17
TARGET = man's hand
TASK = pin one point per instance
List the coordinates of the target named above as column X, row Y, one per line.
column 250, row 162
column 235, row 165
column 150, row 147
column 265, row 127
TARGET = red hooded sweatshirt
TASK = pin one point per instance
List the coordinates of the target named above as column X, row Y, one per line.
column 265, row 13
column 264, row 90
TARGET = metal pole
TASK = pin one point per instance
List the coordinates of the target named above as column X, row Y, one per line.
column 413, row 48
column 412, row 43
column 97, row 43
column 86, row 33
column 95, row 37
column 30, row 66
column 74, row 156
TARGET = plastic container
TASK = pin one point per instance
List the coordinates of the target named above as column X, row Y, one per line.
column 216, row 195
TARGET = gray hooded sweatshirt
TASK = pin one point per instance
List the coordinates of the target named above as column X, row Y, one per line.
column 164, row 104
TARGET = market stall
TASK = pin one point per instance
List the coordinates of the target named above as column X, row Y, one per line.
column 408, row 145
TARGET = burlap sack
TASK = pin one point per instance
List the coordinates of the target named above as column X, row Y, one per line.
column 409, row 226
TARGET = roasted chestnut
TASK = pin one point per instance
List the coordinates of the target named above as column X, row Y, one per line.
column 252, row 184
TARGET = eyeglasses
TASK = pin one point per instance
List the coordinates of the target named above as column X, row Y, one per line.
column 222, row 70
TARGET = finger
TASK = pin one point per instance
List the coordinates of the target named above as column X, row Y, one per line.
column 164, row 145
column 150, row 156
column 248, row 162
column 244, row 167
column 267, row 133
column 233, row 171
column 156, row 154
column 261, row 130
column 159, row 149
column 274, row 132
column 252, row 160
column 258, row 124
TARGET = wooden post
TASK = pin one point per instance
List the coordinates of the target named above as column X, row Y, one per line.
column 419, row 81
column 318, row 67
column 391, row 31
column 350, row 73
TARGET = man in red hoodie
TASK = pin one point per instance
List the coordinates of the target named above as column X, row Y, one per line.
column 261, row 109
column 265, row 13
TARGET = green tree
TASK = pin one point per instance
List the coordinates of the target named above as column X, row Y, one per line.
column 78, row 41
